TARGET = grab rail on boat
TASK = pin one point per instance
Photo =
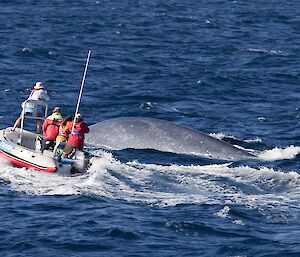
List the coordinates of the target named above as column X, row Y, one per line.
column 39, row 113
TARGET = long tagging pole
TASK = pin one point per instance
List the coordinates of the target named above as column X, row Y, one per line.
column 81, row 88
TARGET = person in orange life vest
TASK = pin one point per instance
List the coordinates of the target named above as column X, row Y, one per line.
column 51, row 128
column 64, row 130
column 76, row 138
column 37, row 93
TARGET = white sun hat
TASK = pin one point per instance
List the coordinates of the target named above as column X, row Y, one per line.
column 38, row 85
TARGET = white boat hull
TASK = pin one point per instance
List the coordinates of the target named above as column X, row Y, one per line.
column 27, row 154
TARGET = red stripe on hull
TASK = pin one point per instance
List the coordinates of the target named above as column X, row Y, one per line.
column 20, row 164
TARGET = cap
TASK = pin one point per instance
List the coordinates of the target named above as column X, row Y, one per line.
column 56, row 109
column 78, row 115
column 57, row 116
column 38, row 85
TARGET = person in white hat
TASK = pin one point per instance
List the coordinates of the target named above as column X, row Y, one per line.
column 38, row 94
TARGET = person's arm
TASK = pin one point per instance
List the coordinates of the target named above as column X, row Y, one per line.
column 85, row 128
column 45, row 125
column 82, row 127
column 44, row 96
column 69, row 127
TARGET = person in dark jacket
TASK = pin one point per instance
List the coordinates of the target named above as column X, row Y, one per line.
column 76, row 137
column 51, row 128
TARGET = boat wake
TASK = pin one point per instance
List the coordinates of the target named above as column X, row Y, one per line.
column 160, row 185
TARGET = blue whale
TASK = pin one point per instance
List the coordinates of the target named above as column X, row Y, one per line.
column 149, row 133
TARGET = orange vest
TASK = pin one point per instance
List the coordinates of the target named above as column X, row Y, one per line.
column 64, row 132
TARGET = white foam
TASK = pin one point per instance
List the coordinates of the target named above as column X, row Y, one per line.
column 261, row 50
column 224, row 213
column 244, row 149
column 261, row 118
column 239, row 222
column 160, row 185
column 280, row 154
column 221, row 135
column 254, row 140
column 27, row 50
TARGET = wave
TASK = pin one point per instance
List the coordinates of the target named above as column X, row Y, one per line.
column 266, row 51
column 223, row 136
column 159, row 185
column 225, row 214
column 276, row 153
column 40, row 52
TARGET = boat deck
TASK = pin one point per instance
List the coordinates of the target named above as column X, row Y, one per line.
column 26, row 139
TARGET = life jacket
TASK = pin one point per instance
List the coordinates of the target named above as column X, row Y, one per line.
column 64, row 131
column 76, row 139
column 51, row 129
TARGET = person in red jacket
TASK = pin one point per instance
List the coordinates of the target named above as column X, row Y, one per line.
column 51, row 128
column 76, row 138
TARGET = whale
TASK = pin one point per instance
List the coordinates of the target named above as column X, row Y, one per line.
column 161, row 135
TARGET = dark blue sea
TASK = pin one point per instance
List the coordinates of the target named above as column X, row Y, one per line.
column 229, row 68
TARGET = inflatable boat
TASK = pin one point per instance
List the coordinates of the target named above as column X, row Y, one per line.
column 22, row 148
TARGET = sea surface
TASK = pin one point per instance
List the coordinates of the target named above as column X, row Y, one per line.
column 229, row 68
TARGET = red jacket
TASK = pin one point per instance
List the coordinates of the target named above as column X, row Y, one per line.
column 76, row 139
column 50, row 129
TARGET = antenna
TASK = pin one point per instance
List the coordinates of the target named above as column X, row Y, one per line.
column 81, row 88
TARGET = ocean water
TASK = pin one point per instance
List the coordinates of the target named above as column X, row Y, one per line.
column 227, row 68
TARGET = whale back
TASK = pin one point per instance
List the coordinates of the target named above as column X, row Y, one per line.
column 149, row 133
